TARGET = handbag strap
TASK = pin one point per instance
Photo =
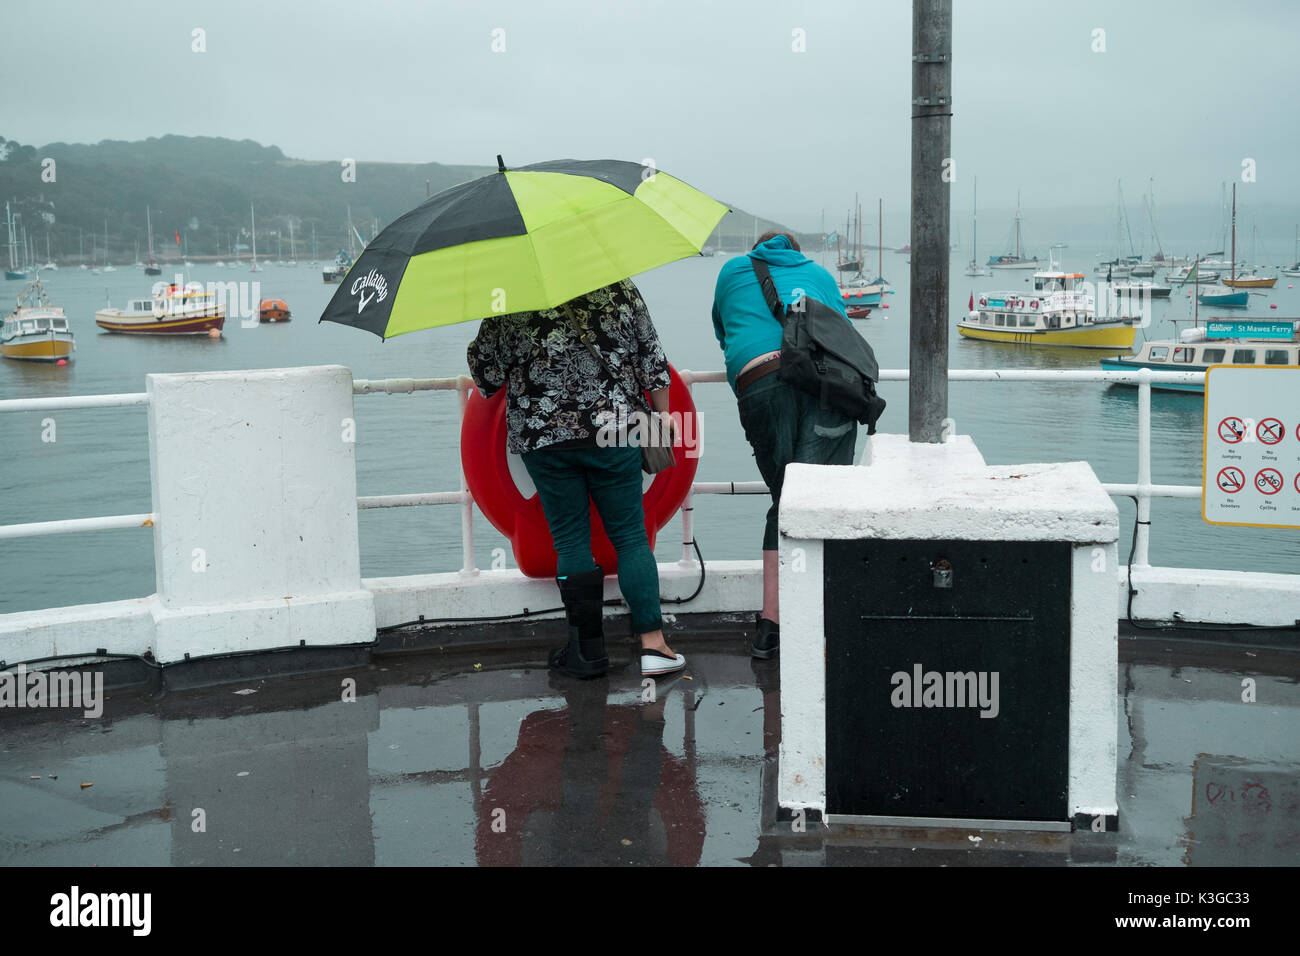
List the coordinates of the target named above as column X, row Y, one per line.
column 637, row 399
column 769, row 288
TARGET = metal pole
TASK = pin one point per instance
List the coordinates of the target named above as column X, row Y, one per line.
column 931, row 162
column 1142, row 551
column 469, row 565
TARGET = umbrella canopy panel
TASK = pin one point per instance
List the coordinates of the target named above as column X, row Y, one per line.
column 521, row 240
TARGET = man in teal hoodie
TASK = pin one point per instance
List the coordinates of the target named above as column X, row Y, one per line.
column 781, row 423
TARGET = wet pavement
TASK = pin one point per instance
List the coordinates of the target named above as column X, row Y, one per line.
column 474, row 757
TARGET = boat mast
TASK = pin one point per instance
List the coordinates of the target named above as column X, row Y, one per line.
column 855, row 199
column 1124, row 218
column 880, row 237
column 1196, row 293
column 1234, row 233
column 1151, row 215
column 1018, row 224
column 252, row 215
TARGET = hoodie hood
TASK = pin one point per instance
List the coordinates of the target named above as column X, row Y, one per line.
column 777, row 251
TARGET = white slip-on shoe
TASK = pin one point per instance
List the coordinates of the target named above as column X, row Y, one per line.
column 654, row 663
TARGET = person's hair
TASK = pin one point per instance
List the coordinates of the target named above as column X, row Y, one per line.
column 772, row 234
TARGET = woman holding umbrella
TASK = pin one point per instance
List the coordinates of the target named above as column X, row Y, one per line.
column 562, row 401
column 545, row 235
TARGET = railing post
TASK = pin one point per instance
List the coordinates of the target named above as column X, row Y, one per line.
column 688, row 506
column 469, row 564
column 1141, row 555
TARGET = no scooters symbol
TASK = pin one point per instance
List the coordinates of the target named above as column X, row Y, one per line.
column 1231, row 480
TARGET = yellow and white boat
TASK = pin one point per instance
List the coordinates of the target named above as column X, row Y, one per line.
column 1056, row 313
column 36, row 331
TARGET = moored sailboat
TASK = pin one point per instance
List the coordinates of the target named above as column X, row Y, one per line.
column 151, row 267
column 973, row 268
column 1018, row 260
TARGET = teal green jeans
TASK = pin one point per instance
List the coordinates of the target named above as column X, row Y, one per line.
column 611, row 478
column 783, row 425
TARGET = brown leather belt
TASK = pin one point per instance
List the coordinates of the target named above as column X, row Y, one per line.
column 747, row 379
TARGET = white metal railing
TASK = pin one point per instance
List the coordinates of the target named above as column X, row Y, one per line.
column 1143, row 490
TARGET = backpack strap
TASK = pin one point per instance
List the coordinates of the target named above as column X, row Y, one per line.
column 769, row 288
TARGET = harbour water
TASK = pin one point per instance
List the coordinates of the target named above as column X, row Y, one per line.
column 97, row 462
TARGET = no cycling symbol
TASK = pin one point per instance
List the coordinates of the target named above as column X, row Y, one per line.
column 1268, row 481
column 1231, row 480
column 1232, row 430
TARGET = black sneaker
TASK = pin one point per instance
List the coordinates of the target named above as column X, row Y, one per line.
column 767, row 640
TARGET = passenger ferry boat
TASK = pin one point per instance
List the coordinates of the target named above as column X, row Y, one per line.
column 1055, row 313
column 1218, row 342
column 36, row 331
column 177, row 311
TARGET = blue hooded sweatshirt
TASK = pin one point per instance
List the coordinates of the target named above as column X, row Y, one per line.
column 744, row 325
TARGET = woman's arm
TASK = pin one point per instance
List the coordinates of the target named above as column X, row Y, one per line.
column 651, row 364
column 487, row 357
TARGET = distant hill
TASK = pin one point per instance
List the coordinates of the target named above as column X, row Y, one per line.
column 202, row 187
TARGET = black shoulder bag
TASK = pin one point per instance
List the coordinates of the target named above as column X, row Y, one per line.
column 824, row 355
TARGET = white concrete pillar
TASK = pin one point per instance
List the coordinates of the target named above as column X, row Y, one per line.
column 254, row 486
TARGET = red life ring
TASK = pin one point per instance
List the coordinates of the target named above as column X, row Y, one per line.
column 1034, row 304
column 983, row 301
column 487, row 468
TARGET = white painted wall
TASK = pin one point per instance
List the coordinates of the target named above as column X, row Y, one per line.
column 252, row 467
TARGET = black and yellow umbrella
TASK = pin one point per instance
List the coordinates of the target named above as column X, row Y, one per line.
column 519, row 240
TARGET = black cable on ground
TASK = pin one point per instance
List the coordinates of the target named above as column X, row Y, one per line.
column 526, row 613
column 98, row 655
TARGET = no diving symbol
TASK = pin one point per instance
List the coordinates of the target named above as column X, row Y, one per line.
column 1270, row 431
column 1268, row 481
column 1231, row 480
column 1231, row 430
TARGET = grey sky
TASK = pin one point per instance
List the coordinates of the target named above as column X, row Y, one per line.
column 713, row 92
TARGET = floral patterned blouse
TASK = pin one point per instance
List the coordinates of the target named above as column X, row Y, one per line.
column 557, row 394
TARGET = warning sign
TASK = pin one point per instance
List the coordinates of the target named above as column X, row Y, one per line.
column 1231, row 430
column 1231, row 480
column 1270, row 431
column 1251, row 471
column 1268, row 481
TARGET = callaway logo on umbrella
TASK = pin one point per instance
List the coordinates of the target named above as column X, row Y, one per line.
column 519, row 240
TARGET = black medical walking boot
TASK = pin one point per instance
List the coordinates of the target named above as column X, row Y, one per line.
column 583, row 596
column 767, row 641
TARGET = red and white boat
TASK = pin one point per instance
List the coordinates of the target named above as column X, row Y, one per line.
column 175, row 311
